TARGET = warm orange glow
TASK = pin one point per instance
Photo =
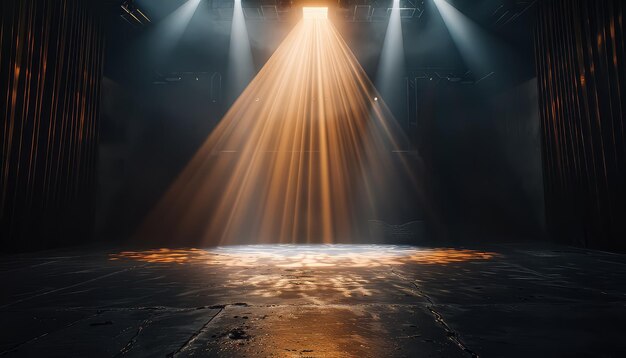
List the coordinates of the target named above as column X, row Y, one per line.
column 307, row 256
column 315, row 13
column 304, row 155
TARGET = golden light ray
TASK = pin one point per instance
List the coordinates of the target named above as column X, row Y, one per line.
column 305, row 154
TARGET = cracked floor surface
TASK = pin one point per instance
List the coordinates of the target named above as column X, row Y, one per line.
column 315, row 301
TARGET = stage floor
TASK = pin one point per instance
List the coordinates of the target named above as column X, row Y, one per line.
column 315, row 301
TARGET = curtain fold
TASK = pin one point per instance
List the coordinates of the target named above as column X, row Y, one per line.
column 581, row 66
column 50, row 71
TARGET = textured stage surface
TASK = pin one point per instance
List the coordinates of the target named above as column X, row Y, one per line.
column 315, row 301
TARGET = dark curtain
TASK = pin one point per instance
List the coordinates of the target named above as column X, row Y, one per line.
column 50, row 71
column 581, row 68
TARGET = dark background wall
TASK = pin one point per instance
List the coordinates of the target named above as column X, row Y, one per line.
column 483, row 152
column 581, row 67
column 50, row 71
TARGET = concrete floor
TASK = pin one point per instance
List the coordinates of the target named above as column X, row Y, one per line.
column 315, row 301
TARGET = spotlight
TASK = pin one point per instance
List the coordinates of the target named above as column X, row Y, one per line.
column 376, row 99
column 315, row 13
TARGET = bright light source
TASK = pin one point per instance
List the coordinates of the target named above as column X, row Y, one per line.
column 317, row 13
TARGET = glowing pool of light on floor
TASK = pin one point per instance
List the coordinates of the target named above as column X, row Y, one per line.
column 307, row 255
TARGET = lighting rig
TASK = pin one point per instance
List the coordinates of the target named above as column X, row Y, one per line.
column 508, row 11
column 432, row 77
column 347, row 10
column 212, row 80
column 442, row 75
column 132, row 14
column 380, row 10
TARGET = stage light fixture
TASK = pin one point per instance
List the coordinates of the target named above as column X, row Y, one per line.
column 315, row 13
column 132, row 14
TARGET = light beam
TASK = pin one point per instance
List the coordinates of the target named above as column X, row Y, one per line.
column 241, row 66
column 304, row 155
column 392, row 65
column 169, row 31
column 481, row 52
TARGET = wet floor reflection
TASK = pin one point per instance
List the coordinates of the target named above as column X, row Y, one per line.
column 303, row 256
column 315, row 331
